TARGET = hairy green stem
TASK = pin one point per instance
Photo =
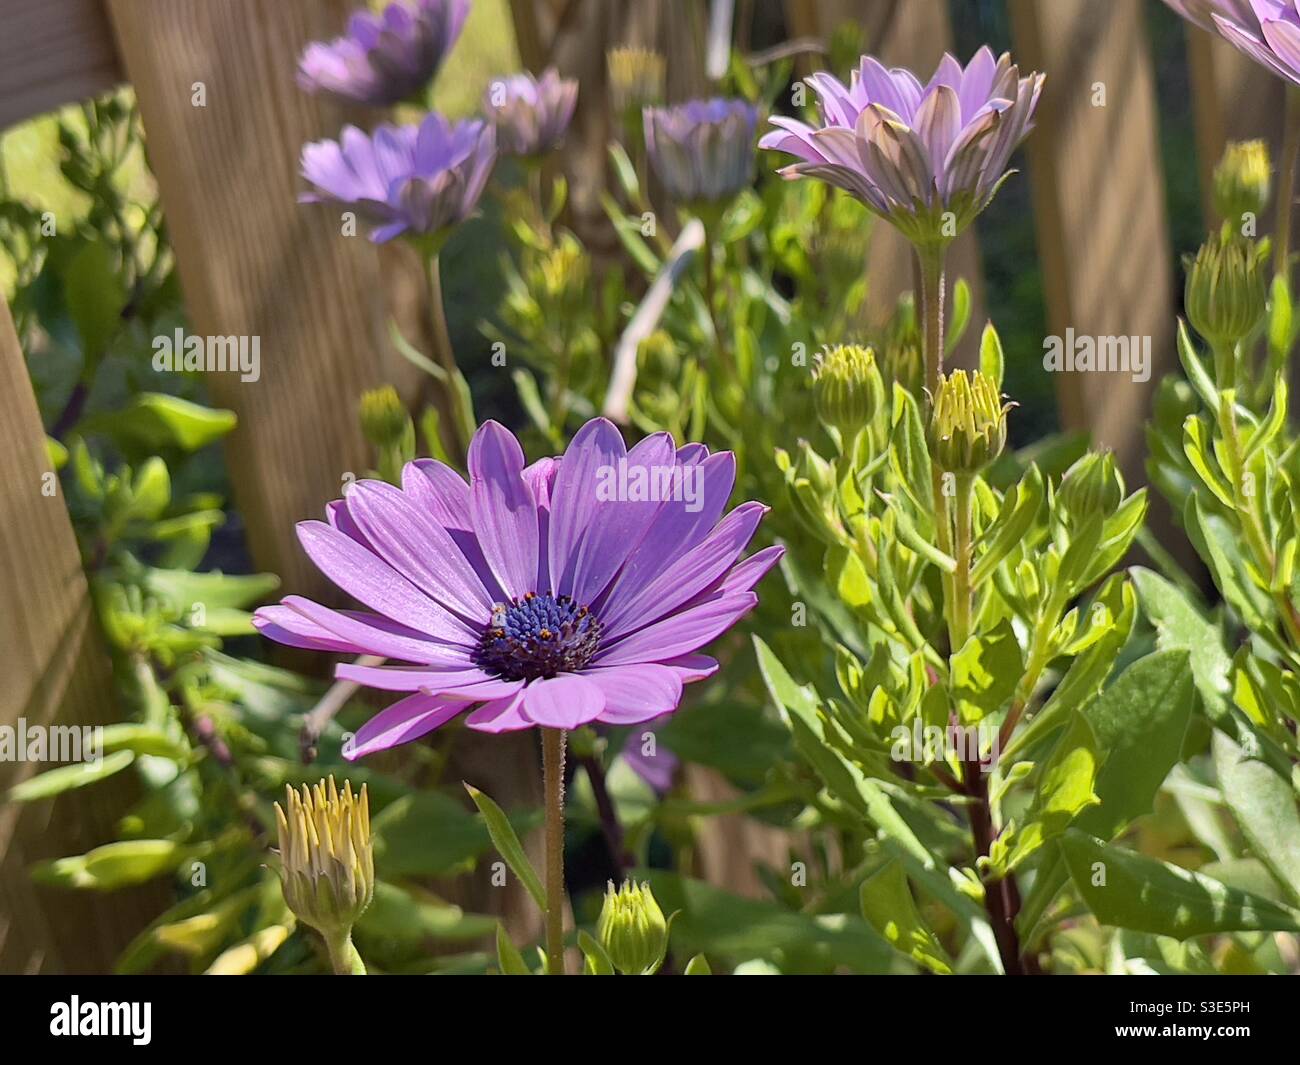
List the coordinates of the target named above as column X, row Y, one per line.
column 553, row 788
column 930, row 260
column 1286, row 184
column 960, row 615
column 445, row 355
column 344, row 959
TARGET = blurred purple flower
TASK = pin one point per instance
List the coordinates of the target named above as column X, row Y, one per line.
column 657, row 769
column 410, row 181
column 910, row 152
column 532, row 595
column 702, row 151
column 530, row 114
column 386, row 57
column 1266, row 30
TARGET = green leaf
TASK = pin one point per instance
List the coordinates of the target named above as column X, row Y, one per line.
column 1272, row 424
column 1196, row 374
column 992, row 361
column 595, row 961
column 1020, row 508
column 1115, row 606
column 844, row 780
column 698, row 966
column 960, row 317
column 112, row 866
column 1196, row 446
column 155, row 420
column 720, row 924
column 69, row 777
column 1180, row 626
column 510, row 961
column 95, row 296
column 183, row 590
column 908, row 453
column 508, row 845
column 1130, row 890
column 1264, row 806
column 984, row 673
column 889, row 908
column 1140, row 721
column 129, row 736
column 404, row 846
column 1065, row 789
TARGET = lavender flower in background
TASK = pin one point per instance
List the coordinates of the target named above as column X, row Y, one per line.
column 384, row 58
column 530, row 114
column 529, row 597
column 412, row 181
column 702, row 151
column 1266, row 30
column 657, row 769
column 910, row 152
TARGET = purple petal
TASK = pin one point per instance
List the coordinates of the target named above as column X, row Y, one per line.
column 283, row 625
column 406, row 720
column 680, row 633
column 376, row 584
column 500, row 715
column 597, row 445
column 374, row 635
column 566, row 701
column 505, row 513
column 408, row 678
column 636, row 693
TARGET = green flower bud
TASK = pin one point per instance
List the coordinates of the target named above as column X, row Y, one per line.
column 1241, row 181
column 632, row 929
column 636, row 79
column 847, row 389
column 968, row 428
column 1091, row 486
column 1226, row 290
column 327, row 865
column 811, row 482
column 384, row 420
column 902, row 353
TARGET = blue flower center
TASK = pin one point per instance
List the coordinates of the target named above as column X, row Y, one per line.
column 537, row 636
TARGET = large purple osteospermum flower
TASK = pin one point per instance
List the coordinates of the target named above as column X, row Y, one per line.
column 1266, row 30
column 384, row 58
column 530, row 114
column 911, row 152
column 702, row 151
column 539, row 595
column 404, row 180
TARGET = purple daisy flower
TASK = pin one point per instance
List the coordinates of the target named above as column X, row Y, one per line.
column 702, row 151
column 384, row 58
column 530, row 114
column 910, row 152
column 1266, row 30
column 534, row 595
column 405, row 180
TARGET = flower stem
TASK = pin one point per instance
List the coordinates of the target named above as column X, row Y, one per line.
column 960, row 620
column 930, row 258
column 553, row 788
column 710, row 298
column 1286, row 184
column 344, row 959
column 446, row 358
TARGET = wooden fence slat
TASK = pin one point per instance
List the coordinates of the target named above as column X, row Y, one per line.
column 254, row 263
column 53, row 52
column 53, row 670
column 1099, row 205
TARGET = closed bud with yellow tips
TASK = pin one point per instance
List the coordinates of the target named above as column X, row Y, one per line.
column 968, row 428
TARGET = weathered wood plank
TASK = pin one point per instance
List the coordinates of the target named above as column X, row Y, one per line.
column 53, row 670
column 53, row 52
column 252, row 262
column 1099, row 204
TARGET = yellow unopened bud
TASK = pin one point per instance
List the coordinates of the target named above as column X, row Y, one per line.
column 632, row 929
column 636, row 79
column 968, row 428
column 847, row 388
column 1226, row 290
column 1241, row 182
column 384, row 419
column 327, row 864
